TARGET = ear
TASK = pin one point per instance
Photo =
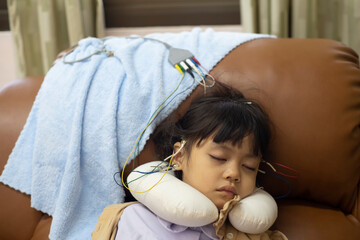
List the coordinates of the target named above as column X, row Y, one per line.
column 179, row 157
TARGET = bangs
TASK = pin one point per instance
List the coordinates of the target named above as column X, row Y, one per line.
column 225, row 116
column 230, row 121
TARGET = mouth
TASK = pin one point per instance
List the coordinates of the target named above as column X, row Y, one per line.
column 229, row 190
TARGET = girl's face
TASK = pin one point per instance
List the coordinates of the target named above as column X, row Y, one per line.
column 220, row 170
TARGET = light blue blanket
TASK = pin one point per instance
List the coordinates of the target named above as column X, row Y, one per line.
column 87, row 116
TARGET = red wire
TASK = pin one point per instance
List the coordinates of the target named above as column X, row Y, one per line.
column 290, row 176
column 202, row 66
column 289, row 168
column 286, row 167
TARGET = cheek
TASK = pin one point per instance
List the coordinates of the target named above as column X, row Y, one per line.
column 247, row 185
column 196, row 175
column 199, row 176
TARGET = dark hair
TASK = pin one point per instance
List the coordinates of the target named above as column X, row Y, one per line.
column 225, row 114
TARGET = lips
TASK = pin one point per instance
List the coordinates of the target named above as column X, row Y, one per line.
column 228, row 189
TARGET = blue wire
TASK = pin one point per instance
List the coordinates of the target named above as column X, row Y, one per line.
column 146, row 172
column 284, row 180
column 203, row 74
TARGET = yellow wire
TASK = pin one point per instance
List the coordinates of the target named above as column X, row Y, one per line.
column 137, row 140
column 156, row 182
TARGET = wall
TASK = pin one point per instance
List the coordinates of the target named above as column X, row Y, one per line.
column 7, row 60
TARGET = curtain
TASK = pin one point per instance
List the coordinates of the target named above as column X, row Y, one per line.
column 333, row 19
column 43, row 28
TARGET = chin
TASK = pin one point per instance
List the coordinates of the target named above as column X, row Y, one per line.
column 219, row 207
column 220, row 200
column 220, row 204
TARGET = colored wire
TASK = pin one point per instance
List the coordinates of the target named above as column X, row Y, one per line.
column 144, row 173
column 173, row 97
column 286, row 175
column 281, row 165
column 278, row 172
column 286, row 167
column 143, row 131
column 176, row 96
column 152, row 171
column 196, row 61
column 289, row 186
column 128, row 188
column 192, row 66
column 183, row 142
column 195, row 66
column 269, row 164
column 201, row 71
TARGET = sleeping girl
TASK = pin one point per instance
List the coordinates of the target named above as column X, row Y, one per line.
column 215, row 151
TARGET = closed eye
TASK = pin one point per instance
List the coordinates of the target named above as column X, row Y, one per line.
column 217, row 158
column 249, row 168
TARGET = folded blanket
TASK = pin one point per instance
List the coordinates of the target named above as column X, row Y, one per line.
column 87, row 116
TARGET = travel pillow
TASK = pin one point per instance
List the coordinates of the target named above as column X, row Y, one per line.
column 175, row 201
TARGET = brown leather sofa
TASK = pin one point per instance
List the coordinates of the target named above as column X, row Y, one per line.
column 311, row 90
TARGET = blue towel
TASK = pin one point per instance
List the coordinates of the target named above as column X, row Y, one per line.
column 87, row 116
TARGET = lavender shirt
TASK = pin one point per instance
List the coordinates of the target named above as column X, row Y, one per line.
column 138, row 222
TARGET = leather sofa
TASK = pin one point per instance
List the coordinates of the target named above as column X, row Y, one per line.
column 311, row 91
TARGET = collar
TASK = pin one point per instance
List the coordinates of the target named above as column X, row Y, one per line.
column 208, row 230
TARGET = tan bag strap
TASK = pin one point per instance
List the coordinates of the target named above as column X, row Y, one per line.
column 107, row 224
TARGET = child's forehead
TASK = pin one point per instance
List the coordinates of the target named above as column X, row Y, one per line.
column 228, row 144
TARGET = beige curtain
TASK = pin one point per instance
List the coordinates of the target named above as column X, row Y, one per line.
column 43, row 28
column 333, row 19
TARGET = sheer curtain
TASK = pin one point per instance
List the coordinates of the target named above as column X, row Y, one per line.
column 43, row 28
column 334, row 19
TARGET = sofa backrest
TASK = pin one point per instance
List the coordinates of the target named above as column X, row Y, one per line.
column 311, row 90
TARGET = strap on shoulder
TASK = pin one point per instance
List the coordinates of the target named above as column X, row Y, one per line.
column 107, row 224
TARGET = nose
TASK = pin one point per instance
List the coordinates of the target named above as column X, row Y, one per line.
column 232, row 174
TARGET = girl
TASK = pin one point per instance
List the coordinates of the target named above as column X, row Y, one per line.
column 219, row 144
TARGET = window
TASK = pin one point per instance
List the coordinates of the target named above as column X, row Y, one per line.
column 140, row 13
column 4, row 17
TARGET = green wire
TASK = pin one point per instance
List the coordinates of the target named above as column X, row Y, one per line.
column 152, row 118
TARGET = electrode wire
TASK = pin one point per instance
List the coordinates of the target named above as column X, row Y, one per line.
column 137, row 149
column 284, row 180
column 128, row 188
column 286, row 167
column 143, row 131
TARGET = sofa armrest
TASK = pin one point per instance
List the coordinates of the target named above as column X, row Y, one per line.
column 42, row 230
column 17, row 219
